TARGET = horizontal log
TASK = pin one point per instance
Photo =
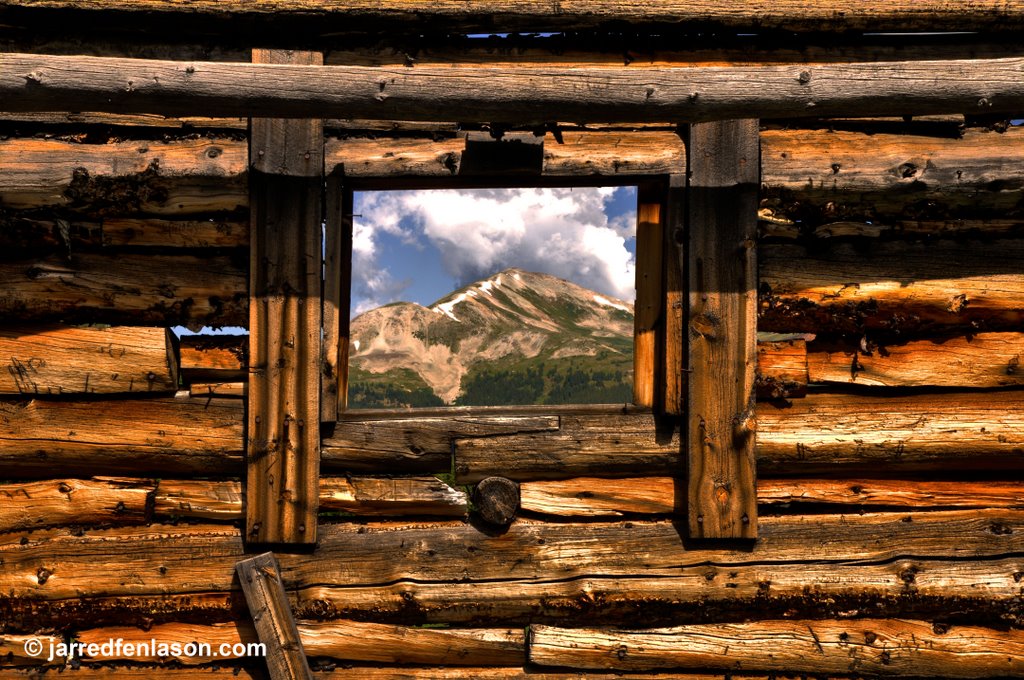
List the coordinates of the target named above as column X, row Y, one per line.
column 516, row 95
column 14, row 649
column 221, row 358
column 570, row 154
column 896, row 287
column 982, row 360
column 169, row 435
column 341, row 640
column 820, row 434
column 65, row 360
column 449, row 571
column 862, row 646
column 417, row 444
column 374, row 672
column 181, row 177
column 30, row 505
column 235, row 390
column 161, row 290
column 781, row 369
column 782, row 228
column 19, row 235
column 596, row 497
column 502, row 16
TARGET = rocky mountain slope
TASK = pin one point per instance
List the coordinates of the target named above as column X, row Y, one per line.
column 516, row 338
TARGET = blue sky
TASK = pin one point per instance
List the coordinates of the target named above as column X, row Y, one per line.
column 418, row 246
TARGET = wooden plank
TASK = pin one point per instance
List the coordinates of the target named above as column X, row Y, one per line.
column 317, row 17
column 723, row 167
column 869, row 646
column 596, row 497
column 146, row 176
column 22, row 235
column 32, row 82
column 675, row 366
column 450, row 571
column 32, row 505
column 229, row 390
column 66, row 360
column 648, row 314
column 285, row 316
column 220, row 358
column 272, row 616
column 337, row 298
column 896, row 287
column 127, row 289
column 982, row 360
column 138, row 436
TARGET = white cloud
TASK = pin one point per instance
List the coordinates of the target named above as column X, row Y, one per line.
column 564, row 232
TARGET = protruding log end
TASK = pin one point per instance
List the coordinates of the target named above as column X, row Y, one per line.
column 496, row 500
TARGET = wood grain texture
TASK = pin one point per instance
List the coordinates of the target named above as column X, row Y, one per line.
column 897, row 287
column 598, row 497
column 450, row 571
column 66, row 360
column 505, row 15
column 982, row 360
column 648, row 310
column 169, row 435
column 204, row 358
column 721, row 320
column 54, row 502
column 148, row 176
column 272, row 617
column 781, row 369
column 513, row 95
column 875, row 646
column 228, row 390
column 338, row 223
column 127, row 289
column 674, row 370
column 20, row 235
column 283, row 461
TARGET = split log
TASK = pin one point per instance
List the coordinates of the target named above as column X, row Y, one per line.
column 861, row 646
column 160, row 290
column 31, row 505
column 230, row 390
column 221, row 358
column 982, row 360
column 821, row 434
column 597, row 497
column 895, row 287
column 515, row 95
column 63, row 360
column 400, row 496
column 318, row 18
column 198, row 499
column 21, row 235
column 180, row 177
column 171, row 435
column 448, row 571
column 417, row 444
column 571, row 154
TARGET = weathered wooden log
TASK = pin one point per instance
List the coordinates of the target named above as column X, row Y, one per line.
column 418, row 444
column 448, row 571
column 495, row 15
column 782, row 228
column 597, row 497
column 55, row 502
column 230, row 390
column 982, row 360
column 342, row 640
column 869, row 646
column 220, row 358
column 516, row 95
column 130, row 289
column 181, row 177
column 647, row 314
column 821, row 434
column 895, row 287
column 570, row 154
column 367, row 672
column 64, row 360
column 496, row 500
column 21, row 650
column 198, row 499
column 19, row 235
column 781, row 369
column 171, row 435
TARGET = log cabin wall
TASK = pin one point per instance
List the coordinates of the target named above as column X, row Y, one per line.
column 890, row 419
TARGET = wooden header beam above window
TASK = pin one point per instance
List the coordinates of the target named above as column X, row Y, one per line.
column 475, row 16
column 511, row 95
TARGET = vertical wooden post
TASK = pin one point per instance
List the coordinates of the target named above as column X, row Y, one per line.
column 337, row 294
column 275, row 626
column 723, row 160
column 674, row 374
column 647, row 310
column 283, row 451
